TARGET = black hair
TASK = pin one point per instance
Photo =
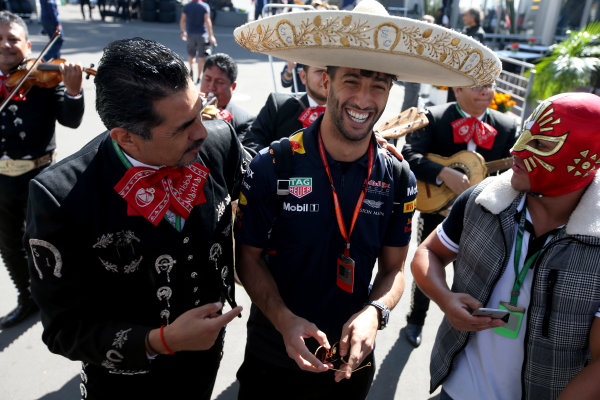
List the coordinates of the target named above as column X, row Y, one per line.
column 224, row 62
column 476, row 14
column 132, row 75
column 7, row 18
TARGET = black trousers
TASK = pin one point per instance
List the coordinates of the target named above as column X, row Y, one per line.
column 419, row 301
column 265, row 381
column 13, row 207
column 183, row 376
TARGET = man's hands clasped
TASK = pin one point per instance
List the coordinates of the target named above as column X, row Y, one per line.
column 356, row 343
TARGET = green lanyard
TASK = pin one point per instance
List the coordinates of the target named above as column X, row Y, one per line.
column 177, row 222
column 520, row 276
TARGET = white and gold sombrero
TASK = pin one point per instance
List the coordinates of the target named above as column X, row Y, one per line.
column 368, row 38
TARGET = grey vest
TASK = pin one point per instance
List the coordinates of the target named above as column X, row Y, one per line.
column 564, row 298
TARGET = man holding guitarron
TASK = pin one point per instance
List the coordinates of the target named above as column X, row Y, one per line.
column 467, row 124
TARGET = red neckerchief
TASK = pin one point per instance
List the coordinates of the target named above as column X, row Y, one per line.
column 4, row 92
column 310, row 115
column 151, row 192
column 467, row 128
column 225, row 115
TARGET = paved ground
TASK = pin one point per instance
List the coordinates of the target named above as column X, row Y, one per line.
column 29, row 371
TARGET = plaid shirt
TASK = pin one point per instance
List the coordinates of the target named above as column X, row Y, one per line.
column 565, row 293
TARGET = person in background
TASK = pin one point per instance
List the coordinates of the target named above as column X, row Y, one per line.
column 82, row 3
column 51, row 24
column 124, row 10
column 220, row 78
column 467, row 124
column 258, row 8
column 472, row 20
column 284, row 113
column 196, row 29
column 27, row 147
column 290, row 71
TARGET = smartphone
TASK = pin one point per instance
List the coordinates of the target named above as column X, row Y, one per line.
column 491, row 312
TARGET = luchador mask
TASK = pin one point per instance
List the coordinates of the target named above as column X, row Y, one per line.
column 572, row 122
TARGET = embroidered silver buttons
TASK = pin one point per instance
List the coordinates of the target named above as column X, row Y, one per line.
column 164, row 293
column 165, row 264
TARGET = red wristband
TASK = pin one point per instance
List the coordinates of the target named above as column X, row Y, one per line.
column 162, row 340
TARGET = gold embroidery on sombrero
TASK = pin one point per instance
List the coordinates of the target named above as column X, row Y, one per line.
column 350, row 31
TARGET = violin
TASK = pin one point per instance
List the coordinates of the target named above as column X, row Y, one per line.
column 45, row 75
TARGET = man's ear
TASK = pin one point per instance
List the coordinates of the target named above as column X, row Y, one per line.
column 127, row 140
column 233, row 86
column 326, row 81
column 302, row 76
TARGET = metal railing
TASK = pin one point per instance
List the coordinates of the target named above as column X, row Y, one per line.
column 265, row 11
column 517, row 79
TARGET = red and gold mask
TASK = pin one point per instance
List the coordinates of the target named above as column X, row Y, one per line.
column 572, row 122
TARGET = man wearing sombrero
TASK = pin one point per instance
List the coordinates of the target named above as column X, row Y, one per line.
column 307, row 243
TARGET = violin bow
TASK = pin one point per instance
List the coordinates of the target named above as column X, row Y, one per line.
column 53, row 39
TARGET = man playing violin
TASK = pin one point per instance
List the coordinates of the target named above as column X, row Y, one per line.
column 27, row 144
column 493, row 134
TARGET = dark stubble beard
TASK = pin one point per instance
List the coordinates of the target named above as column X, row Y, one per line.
column 337, row 114
column 315, row 94
column 197, row 143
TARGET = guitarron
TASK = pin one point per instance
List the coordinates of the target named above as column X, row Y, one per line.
column 432, row 198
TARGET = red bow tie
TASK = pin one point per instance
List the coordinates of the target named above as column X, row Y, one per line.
column 225, row 115
column 151, row 192
column 310, row 115
column 465, row 129
column 4, row 92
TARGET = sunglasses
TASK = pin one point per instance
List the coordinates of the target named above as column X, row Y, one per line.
column 332, row 356
column 484, row 88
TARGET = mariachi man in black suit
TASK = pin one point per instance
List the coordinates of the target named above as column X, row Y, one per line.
column 284, row 114
column 27, row 146
column 219, row 77
column 130, row 237
column 467, row 124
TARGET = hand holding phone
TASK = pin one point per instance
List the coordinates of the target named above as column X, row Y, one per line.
column 492, row 313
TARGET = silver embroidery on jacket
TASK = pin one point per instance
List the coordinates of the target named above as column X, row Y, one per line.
column 45, row 254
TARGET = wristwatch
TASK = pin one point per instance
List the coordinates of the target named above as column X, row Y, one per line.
column 384, row 312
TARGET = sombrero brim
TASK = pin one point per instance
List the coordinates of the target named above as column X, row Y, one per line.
column 412, row 50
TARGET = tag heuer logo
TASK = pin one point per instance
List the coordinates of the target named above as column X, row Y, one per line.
column 300, row 187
